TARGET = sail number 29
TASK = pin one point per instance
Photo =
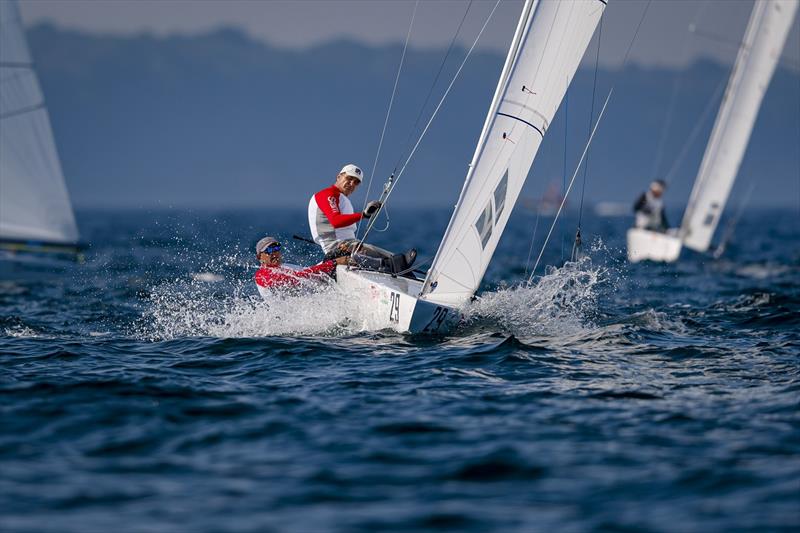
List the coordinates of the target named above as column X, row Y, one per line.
column 394, row 308
column 438, row 317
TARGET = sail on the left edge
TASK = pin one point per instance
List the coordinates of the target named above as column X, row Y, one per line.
column 34, row 203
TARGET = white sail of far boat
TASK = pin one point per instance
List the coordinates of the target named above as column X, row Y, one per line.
column 34, row 202
column 759, row 52
column 550, row 41
column 758, row 56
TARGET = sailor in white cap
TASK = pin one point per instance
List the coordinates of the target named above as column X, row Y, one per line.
column 333, row 224
column 330, row 213
column 649, row 208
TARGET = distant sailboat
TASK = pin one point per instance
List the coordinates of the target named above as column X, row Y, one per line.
column 35, row 211
column 758, row 56
column 548, row 204
column 548, row 45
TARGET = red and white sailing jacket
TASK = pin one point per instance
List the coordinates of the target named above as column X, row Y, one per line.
column 331, row 218
column 281, row 277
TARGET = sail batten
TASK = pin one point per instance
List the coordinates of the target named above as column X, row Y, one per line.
column 547, row 47
column 764, row 39
column 34, row 202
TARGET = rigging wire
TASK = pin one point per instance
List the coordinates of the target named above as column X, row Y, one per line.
column 391, row 103
column 591, row 118
column 726, row 237
column 676, row 86
column 533, row 239
column 711, row 105
column 392, row 183
column 571, row 182
column 635, row 34
column 624, row 64
column 577, row 242
column 407, row 143
column 564, row 172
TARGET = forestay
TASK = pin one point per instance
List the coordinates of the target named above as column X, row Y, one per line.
column 548, row 45
column 34, row 204
column 758, row 55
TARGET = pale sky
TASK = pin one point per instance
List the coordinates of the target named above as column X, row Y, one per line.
column 664, row 40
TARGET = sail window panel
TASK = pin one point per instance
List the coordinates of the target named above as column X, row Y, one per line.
column 500, row 196
column 484, row 224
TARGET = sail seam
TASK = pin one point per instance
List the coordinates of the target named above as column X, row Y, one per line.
column 523, row 121
column 21, row 111
column 15, row 64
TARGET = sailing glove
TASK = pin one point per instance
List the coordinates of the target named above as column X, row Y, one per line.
column 371, row 208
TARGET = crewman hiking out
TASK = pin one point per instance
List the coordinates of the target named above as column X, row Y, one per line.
column 333, row 225
column 649, row 208
column 273, row 275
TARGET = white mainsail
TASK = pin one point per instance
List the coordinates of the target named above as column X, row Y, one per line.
column 547, row 48
column 758, row 55
column 34, row 203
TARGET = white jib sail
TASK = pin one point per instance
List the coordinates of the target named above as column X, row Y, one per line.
column 547, row 48
column 758, row 55
column 34, row 203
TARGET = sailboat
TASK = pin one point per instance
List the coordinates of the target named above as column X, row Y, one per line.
column 758, row 56
column 36, row 217
column 550, row 39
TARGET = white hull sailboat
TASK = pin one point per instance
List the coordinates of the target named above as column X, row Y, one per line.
column 36, row 218
column 646, row 245
column 758, row 56
column 549, row 42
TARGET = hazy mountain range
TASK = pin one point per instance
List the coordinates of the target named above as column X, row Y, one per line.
column 222, row 120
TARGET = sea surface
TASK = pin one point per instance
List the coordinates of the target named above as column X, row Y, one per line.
column 151, row 389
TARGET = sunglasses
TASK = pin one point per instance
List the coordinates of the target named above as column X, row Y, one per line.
column 272, row 248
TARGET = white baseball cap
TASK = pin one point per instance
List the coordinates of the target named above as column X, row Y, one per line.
column 352, row 170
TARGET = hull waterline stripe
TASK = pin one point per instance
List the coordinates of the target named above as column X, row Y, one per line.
column 523, row 121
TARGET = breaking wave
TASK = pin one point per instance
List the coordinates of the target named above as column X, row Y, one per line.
column 193, row 308
column 563, row 300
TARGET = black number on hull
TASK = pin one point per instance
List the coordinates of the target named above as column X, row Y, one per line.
column 394, row 308
column 438, row 318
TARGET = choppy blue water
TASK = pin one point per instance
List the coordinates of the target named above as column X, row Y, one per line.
column 150, row 389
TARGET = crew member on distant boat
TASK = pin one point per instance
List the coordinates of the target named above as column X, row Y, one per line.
column 273, row 275
column 649, row 208
column 333, row 225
